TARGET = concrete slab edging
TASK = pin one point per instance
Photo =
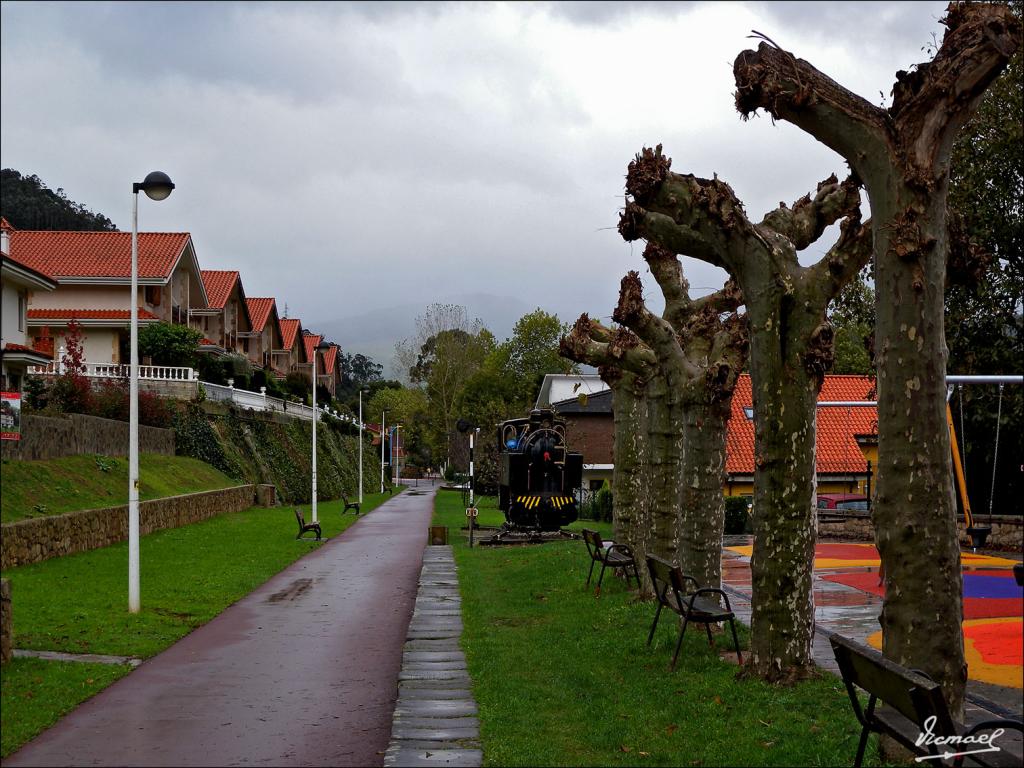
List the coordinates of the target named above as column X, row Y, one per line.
column 435, row 720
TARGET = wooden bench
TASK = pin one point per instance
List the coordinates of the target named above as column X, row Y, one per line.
column 353, row 505
column 912, row 705
column 304, row 526
column 672, row 588
column 609, row 555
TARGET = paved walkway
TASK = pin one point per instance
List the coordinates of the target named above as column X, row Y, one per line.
column 302, row 671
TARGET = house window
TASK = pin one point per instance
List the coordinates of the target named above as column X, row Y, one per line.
column 153, row 295
column 245, row 346
column 22, row 310
column 206, row 323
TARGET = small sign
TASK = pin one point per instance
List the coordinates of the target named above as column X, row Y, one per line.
column 471, row 512
column 10, row 416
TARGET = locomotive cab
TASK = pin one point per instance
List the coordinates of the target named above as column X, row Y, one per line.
column 539, row 475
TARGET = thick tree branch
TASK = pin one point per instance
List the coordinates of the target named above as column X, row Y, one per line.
column 655, row 331
column 668, row 272
column 792, row 89
column 805, row 222
column 728, row 299
column 621, row 351
column 851, row 252
column 933, row 100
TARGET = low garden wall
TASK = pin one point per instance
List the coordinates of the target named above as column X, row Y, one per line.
column 38, row 539
column 1007, row 530
column 46, row 437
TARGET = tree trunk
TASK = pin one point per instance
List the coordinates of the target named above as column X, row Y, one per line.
column 630, row 449
column 915, row 511
column 702, row 518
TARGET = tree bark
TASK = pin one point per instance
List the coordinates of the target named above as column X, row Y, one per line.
column 790, row 350
column 902, row 154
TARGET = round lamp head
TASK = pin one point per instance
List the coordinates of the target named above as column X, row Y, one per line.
column 157, row 185
column 323, row 346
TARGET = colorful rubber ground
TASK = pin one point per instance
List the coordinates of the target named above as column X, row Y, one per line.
column 993, row 605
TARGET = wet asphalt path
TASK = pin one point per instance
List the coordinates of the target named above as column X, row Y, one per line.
column 303, row 671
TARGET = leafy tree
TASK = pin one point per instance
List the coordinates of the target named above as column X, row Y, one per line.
column 532, row 352
column 983, row 315
column 27, row 203
column 853, row 315
column 170, row 344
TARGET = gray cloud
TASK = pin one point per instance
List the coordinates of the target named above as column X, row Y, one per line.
column 351, row 157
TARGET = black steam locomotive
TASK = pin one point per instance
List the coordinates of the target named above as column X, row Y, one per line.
column 539, row 476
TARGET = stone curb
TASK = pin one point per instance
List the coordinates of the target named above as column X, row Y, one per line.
column 435, row 721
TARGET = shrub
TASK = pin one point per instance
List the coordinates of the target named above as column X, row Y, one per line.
column 170, row 344
column 603, row 503
column 110, row 400
column 737, row 515
column 71, row 392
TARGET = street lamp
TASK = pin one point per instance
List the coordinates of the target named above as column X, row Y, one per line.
column 383, row 415
column 323, row 346
column 361, row 393
column 157, row 186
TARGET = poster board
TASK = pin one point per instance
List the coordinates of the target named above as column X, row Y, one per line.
column 10, row 416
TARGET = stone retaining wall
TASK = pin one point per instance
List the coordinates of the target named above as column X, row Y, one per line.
column 38, row 539
column 45, row 437
column 1007, row 530
column 5, row 621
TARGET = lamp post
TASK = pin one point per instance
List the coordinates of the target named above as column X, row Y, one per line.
column 393, row 452
column 157, row 186
column 323, row 346
column 361, row 393
column 383, row 415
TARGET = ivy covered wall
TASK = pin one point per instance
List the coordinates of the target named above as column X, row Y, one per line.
column 260, row 448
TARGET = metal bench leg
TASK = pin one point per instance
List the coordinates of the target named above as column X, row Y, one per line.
column 860, row 747
column 636, row 575
column 679, row 644
column 597, row 592
column 657, row 615
column 736, row 640
column 707, row 628
column 592, row 561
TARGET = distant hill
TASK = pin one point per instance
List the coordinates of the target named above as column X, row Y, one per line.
column 376, row 332
column 27, row 203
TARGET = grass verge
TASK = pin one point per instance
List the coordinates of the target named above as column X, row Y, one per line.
column 562, row 678
column 38, row 488
column 78, row 603
column 36, row 694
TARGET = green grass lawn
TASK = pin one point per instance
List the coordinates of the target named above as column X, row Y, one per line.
column 562, row 678
column 79, row 603
column 36, row 488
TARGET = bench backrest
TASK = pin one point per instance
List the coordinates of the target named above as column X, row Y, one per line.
column 300, row 518
column 594, row 542
column 668, row 579
column 913, row 695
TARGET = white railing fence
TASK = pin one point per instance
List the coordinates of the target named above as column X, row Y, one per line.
column 119, row 371
column 261, row 401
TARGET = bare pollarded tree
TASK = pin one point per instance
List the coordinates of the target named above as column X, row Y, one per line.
column 902, row 154
column 670, row 490
column 791, row 347
column 631, row 371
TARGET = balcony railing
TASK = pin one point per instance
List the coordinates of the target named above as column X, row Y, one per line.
column 119, row 371
column 260, row 401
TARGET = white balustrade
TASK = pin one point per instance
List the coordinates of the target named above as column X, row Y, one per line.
column 120, row 371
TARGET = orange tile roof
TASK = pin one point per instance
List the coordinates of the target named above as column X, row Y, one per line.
column 88, row 314
column 97, row 254
column 310, row 340
column 259, row 311
column 838, row 451
column 330, row 356
column 289, row 331
column 219, row 283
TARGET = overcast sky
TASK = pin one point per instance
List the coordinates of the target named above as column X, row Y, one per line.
column 346, row 157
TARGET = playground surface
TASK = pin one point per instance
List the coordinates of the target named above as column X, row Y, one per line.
column 848, row 600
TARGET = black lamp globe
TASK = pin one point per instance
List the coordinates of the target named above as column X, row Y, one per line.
column 157, row 185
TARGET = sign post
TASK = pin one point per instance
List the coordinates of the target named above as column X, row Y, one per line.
column 471, row 514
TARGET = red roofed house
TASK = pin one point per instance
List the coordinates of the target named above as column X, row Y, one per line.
column 93, row 275
column 225, row 318
column 265, row 322
column 328, row 362
column 292, row 354
column 17, row 282
column 847, row 436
